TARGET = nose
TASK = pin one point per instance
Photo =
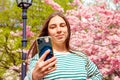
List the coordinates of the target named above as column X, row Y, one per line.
column 58, row 29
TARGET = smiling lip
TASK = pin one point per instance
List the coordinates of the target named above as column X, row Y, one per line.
column 59, row 36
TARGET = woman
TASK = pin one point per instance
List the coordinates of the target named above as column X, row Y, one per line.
column 69, row 65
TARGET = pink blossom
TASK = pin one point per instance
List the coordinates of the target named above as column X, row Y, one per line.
column 116, row 1
column 76, row 2
column 15, row 68
column 49, row 1
column 74, row 22
column 116, row 78
column 16, row 33
column 54, row 5
column 29, row 33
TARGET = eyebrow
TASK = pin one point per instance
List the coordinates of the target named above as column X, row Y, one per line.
column 51, row 24
column 55, row 24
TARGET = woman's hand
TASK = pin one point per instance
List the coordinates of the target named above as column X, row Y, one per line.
column 43, row 67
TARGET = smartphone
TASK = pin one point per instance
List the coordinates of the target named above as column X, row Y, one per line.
column 44, row 43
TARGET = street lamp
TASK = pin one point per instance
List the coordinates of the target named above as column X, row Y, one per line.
column 24, row 4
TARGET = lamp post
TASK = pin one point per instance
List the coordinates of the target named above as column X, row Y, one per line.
column 24, row 4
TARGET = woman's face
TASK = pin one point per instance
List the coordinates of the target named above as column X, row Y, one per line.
column 58, row 30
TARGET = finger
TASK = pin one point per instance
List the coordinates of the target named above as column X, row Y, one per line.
column 49, row 61
column 49, row 66
column 44, row 55
column 42, row 64
column 39, row 65
column 51, row 70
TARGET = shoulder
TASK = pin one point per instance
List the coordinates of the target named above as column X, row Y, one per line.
column 79, row 53
column 34, row 58
column 33, row 61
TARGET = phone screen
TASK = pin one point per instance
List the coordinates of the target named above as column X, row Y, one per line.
column 44, row 43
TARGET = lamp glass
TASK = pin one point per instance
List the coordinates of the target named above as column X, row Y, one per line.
column 24, row 3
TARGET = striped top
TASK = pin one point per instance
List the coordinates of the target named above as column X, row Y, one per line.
column 69, row 67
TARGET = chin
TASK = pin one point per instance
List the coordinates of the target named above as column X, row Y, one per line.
column 60, row 41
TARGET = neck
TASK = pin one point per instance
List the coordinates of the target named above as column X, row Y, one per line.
column 59, row 48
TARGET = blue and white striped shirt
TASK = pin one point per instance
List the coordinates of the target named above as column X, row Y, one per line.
column 69, row 67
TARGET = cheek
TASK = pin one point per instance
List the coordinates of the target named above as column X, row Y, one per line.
column 51, row 32
column 66, row 31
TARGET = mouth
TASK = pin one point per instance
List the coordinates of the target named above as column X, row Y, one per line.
column 59, row 36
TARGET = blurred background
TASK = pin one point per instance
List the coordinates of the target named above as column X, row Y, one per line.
column 95, row 26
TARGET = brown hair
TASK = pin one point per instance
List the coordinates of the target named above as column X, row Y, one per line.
column 44, row 32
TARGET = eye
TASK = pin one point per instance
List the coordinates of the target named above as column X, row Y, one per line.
column 62, row 25
column 52, row 26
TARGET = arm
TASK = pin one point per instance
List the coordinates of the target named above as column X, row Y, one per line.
column 38, row 68
column 93, row 72
column 31, row 66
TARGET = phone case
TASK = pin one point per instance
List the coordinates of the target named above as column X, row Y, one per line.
column 44, row 43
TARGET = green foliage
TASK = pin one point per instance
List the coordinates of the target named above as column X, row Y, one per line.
column 9, row 45
column 37, row 13
column 8, row 14
column 64, row 4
